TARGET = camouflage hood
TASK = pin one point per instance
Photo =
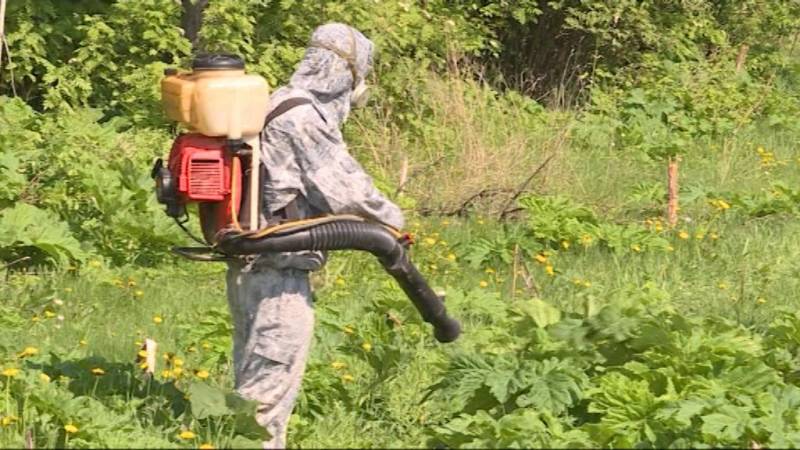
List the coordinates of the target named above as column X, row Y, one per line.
column 337, row 59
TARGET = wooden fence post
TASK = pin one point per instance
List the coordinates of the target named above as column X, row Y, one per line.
column 672, row 190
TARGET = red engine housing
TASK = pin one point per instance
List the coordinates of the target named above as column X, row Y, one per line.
column 202, row 171
column 201, row 167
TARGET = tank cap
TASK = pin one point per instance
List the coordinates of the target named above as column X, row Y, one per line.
column 217, row 61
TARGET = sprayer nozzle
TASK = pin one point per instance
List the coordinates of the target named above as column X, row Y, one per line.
column 447, row 331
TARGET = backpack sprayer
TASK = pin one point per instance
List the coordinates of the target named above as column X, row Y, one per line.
column 216, row 165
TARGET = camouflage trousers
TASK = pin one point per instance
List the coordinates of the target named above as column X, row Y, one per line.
column 273, row 320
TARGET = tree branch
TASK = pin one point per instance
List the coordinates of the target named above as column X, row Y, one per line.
column 506, row 209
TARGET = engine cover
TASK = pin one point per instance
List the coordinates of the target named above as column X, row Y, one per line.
column 200, row 170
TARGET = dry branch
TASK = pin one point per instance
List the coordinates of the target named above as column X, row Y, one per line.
column 506, row 209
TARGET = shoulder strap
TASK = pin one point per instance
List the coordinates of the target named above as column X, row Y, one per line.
column 290, row 211
column 284, row 107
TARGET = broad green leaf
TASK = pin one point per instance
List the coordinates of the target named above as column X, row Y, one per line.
column 207, row 401
column 541, row 312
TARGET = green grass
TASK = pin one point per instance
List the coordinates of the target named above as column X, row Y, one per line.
column 755, row 258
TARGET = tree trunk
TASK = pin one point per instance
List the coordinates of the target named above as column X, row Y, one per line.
column 2, row 28
column 192, row 20
column 672, row 190
column 741, row 57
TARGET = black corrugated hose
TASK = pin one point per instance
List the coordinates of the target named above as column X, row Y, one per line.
column 353, row 235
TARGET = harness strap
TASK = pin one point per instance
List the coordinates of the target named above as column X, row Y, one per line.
column 284, row 107
column 290, row 211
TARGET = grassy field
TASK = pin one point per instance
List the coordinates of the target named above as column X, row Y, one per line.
column 699, row 318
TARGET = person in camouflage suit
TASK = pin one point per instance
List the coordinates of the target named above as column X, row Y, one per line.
column 308, row 166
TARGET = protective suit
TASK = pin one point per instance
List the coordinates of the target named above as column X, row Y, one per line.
column 307, row 162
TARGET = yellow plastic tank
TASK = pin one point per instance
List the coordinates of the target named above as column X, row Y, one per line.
column 217, row 98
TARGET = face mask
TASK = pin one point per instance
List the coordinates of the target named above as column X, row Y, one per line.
column 360, row 95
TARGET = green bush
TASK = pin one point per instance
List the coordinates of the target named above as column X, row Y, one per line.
column 89, row 177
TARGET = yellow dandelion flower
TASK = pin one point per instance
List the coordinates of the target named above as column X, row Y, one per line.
column 338, row 365
column 347, row 329
column 483, row 284
column 7, row 420
column 658, row 227
column 347, row 378
column 430, row 241
column 565, row 244
column 49, row 314
column 157, row 319
column 143, row 365
column 70, row 428
column 35, row 319
column 636, row 248
column 205, row 345
column 577, row 281
column 451, row 257
column 489, row 270
column 433, row 267
column 586, row 240
column 540, row 258
column 166, row 373
column 95, row 263
column 28, row 351
column 549, row 270
column 98, row 371
column 587, row 284
column 722, row 285
column 206, row 446
column 366, row 346
column 44, row 377
column 670, row 248
column 177, row 362
column 138, row 293
column 340, row 281
column 761, row 300
column 683, row 234
column 699, row 236
column 82, row 343
column 142, row 353
column 10, row 372
column 186, row 435
column 178, row 371
column 202, row 374
column 713, row 236
column 191, row 349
